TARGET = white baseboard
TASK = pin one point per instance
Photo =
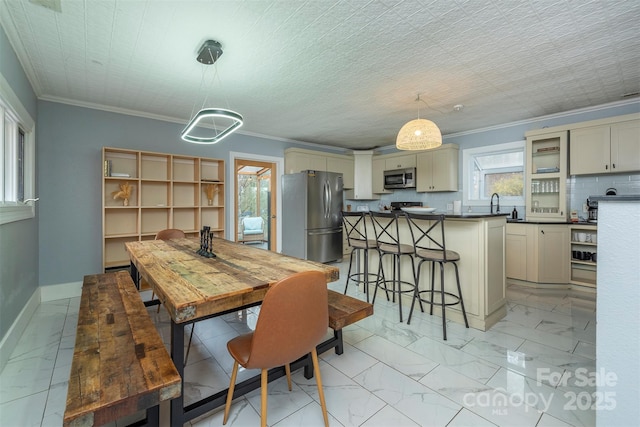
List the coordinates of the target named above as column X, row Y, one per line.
column 11, row 338
column 60, row 291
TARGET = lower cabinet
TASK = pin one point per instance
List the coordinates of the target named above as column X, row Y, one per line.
column 516, row 251
column 552, row 253
column 538, row 253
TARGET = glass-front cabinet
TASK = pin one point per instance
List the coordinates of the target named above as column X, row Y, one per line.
column 546, row 176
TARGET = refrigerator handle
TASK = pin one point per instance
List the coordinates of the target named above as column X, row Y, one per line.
column 326, row 199
column 330, row 203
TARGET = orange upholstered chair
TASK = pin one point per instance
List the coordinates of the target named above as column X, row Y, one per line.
column 293, row 319
column 170, row 233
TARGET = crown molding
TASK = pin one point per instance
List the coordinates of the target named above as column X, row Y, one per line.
column 19, row 50
column 563, row 114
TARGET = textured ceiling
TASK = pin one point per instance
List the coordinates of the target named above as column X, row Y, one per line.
column 342, row 73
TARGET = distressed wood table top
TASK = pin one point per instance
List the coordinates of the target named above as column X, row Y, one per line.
column 120, row 364
column 192, row 286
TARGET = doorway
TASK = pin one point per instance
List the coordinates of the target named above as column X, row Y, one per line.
column 255, row 208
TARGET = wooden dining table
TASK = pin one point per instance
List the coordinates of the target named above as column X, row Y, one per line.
column 193, row 287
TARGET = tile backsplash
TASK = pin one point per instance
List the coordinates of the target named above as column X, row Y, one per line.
column 579, row 188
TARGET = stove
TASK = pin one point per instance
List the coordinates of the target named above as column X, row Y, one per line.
column 396, row 206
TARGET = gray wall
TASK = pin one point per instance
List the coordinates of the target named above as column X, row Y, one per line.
column 71, row 139
column 18, row 240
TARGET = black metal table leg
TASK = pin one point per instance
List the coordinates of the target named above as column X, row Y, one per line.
column 177, row 354
column 133, row 271
column 153, row 416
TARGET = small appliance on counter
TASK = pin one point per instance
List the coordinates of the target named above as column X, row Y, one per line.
column 396, row 206
column 592, row 209
column 592, row 205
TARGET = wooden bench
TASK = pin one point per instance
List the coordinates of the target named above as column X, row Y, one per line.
column 120, row 365
column 343, row 311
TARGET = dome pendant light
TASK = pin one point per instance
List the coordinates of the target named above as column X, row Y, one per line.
column 208, row 54
column 419, row 134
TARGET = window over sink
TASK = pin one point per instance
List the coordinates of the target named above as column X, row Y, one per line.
column 492, row 169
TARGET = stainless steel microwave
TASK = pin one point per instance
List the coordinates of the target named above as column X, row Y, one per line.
column 400, row 178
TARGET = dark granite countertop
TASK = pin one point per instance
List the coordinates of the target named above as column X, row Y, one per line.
column 618, row 198
column 474, row 215
column 521, row 221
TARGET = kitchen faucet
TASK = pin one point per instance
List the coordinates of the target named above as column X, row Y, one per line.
column 498, row 207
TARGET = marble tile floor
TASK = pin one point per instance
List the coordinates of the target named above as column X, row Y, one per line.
column 530, row 369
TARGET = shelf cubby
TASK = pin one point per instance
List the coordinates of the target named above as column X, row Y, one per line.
column 122, row 162
column 211, row 171
column 154, row 193
column 186, row 219
column 112, row 185
column 212, row 217
column 154, row 166
column 185, row 169
column 185, row 194
column 115, row 254
column 218, row 194
column 121, row 222
column 583, row 271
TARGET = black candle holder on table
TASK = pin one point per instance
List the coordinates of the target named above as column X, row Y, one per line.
column 206, row 243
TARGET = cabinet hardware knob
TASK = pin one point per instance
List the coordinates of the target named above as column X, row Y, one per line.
column 606, row 167
column 542, row 231
column 613, row 166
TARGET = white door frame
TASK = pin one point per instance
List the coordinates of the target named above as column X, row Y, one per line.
column 231, row 187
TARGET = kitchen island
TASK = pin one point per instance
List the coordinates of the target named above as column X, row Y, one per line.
column 480, row 241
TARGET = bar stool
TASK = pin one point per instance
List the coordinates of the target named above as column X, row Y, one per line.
column 386, row 226
column 429, row 243
column 355, row 228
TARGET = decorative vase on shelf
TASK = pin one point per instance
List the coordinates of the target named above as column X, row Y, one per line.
column 125, row 202
column 211, row 190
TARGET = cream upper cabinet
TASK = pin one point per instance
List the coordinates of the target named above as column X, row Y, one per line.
column 607, row 148
column 589, row 150
column 299, row 160
column 400, row 162
column 343, row 166
column 377, row 176
column 437, row 170
column 625, row 146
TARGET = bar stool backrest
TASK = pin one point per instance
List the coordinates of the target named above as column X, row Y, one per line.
column 355, row 226
column 386, row 226
column 428, row 233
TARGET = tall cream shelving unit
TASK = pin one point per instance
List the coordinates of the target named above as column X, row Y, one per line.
column 168, row 191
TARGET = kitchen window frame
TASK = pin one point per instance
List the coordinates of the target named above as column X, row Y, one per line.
column 468, row 159
column 16, row 127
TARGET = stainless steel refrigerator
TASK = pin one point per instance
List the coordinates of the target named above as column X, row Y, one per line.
column 311, row 215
